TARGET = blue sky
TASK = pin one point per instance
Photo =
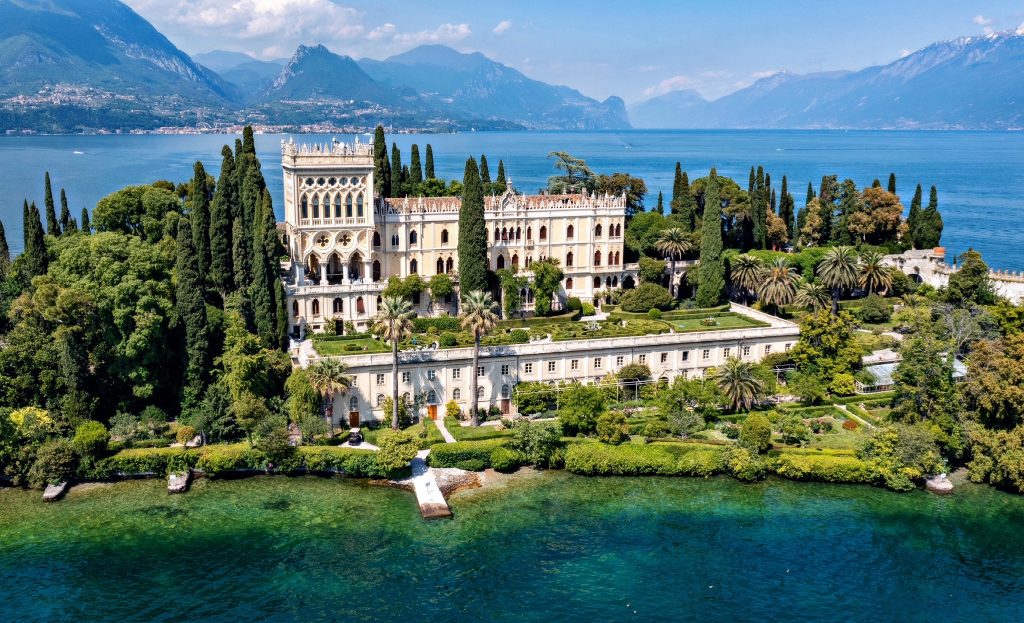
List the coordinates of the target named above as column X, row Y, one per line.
column 631, row 49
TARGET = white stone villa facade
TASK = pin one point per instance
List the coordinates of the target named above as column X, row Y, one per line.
column 929, row 266
column 344, row 243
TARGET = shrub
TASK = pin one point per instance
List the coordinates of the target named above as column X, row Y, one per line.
column 633, row 372
column 580, row 406
column 645, row 297
column 215, row 461
column 448, row 340
column 702, row 463
column 598, row 459
column 843, row 384
column 874, row 309
column 745, row 465
column 655, row 428
column 654, row 314
column 519, row 336
column 589, row 309
column 506, row 460
column 793, row 430
column 573, row 303
column 137, row 461
column 55, row 463
column 902, row 454
column 275, row 447
column 397, row 448
column 756, row 433
column 451, row 409
column 185, row 434
column 469, row 455
column 824, row 468
column 350, row 461
column 850, row 425
column 91, row 438
column 440, row 323
column 538, row 442
column 731, row 431
column 612, row 427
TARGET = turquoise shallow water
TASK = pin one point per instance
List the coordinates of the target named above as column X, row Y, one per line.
column 547, row 547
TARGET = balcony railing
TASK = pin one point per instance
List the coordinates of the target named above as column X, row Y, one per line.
column 333, row 222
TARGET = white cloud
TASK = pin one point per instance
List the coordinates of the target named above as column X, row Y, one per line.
column 445, row 33
column 757, row 75
column 985, row 23
column 502, row 26
column 674, row 83
column 905, row 53
column 383, row 31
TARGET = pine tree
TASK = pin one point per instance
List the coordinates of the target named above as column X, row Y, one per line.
column 222, row 208
column 711, row 286
column 660, row 208
column 429, row 172
column 786, row 208
column 191, row 312
column 930, row 230
column 500, row 183
column 86, row 225
column 199, row 217
column 396, row 171
column 914, row 219
column 52, row 225
column 381, row 181
column 415, row 168
column 472, row 247
column 65, row 213
column 36, row 261
column 485, row 173
column 892, row 183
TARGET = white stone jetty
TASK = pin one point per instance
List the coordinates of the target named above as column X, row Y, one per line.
column 55, row 492
column 178, row 483
column 939, row 484
column 428, row 493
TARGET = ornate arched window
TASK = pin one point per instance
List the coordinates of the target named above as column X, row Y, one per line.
column 543, row 232
column 376, row 238
column 529, row 233
column 506, row 391
column 376, row 270
column 440, row 266
column 413, row 238
column 597, row 282
column 497, row 234
column 338, row 306
column 597, row 257
column 295, row 308
column 519, row 233
column 449, row 265
column 615, row 282
column 359, row 205
column 501, row 262
column 432, row 397
column 570, row 231
column 348, row 206
column 444, row 236
column 568, row 283
column 456, row 394
column 568, row 259
column 480, row 392
column 597, row 231
column 360, row 306
column 515, row 260
column 380, row 400
column 337, row 206
column 305, row 206
column 316, row 206
column 414, row 267
column 316, row 307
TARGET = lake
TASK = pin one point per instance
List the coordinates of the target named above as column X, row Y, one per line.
column 548, row 547
column 979, row 175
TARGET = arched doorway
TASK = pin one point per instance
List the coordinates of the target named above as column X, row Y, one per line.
column 355, row 266
column 376, row 270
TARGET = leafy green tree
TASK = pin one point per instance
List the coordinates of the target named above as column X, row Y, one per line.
column 262, row 293
column 91, row 438
column 547, row 277
column 673, row 243
column 756, row 433
column 191, row 312
column 251, row 414
column 812, row 296
column 397, row 449
column 924, row 390
column 759, row 212
column 440, row 287
column 55, row 463
column 786, row 206
column 393, row 324
column 645, row 297
column 329, row 377
column 875, row 276
column 970, row 284
column 612, row 427
column 682, row 202
column 579, row 407
column 634, row 373
column 739, row 383
column 892, row 183
column 303, row 404
column 826, row 347
column 485, row 172
column 838, row 271
column 651, row 270
column 642, row 233
column 479, row 317
column 537, row 441
column 711, row 279
column 576, row 176
column 5, row 253
column 429, row 171
column 472, row 247
column 623, row 184
column 222, row 210
column 902, row 455
column 249, row 367
column 532, row 397
column 512, row 284
column 994, row 385
column 136, row 210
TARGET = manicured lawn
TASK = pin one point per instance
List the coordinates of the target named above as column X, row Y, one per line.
column 473, row 433
column 731, row 321
column 350, row 347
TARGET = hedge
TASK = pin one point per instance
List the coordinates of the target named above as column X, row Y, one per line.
column 824, row 468
column 865, row 398
column 473, row 456
column 598, row 459
column 679, row 314
column 136, row 461
column 473, row 433
column 350, row 461
column 536, row 320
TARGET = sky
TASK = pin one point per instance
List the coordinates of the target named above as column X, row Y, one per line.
column 635, row 50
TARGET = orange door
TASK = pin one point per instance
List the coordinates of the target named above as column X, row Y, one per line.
column 432, row 411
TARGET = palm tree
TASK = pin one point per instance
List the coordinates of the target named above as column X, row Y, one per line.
column 673, row 242
column 737, row 381
column 394, row 324
column 811, row 295
column 746, row 272
column 874, row 274
column 838, row 271
column 778, row 283
column 479, row 317
column 329, row 377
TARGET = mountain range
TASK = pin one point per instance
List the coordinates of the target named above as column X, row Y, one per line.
column 965, row 83
column 96, row 65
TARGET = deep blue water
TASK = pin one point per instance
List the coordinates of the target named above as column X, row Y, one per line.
column 980, row 175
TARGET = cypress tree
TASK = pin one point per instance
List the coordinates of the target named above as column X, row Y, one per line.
column 500, row 183
column 389, row 192
column 261, row 290
column 36, row 261
column 675, row 204
column 239, row 168
column 711, row 286
column 472, row 247
column 931, row 222
column 892, row 183
column 876, row 183
column 485, row 173
column 52, row 225
column 396, row 171
column 415, row 167
column 248, row 141
column 759, row 211
column 86, row 225
column 221, row 211
column 660, row 208
column 5, row 252
column 381, row 179
column 73, row 361
column 65, row 213
column 914, row 219
column 405, row 179
column 687, row 205
column 199, row 217
column 773, row 205
column 241, row 254
column 430, row 162
column 786, row 208
column 191, row 312
column 810, row 194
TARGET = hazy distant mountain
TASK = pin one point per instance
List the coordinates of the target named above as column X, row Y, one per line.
column 668, row 110
column 96, row 44
column 476, row 85
column 316, row 73
column 966, row 83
